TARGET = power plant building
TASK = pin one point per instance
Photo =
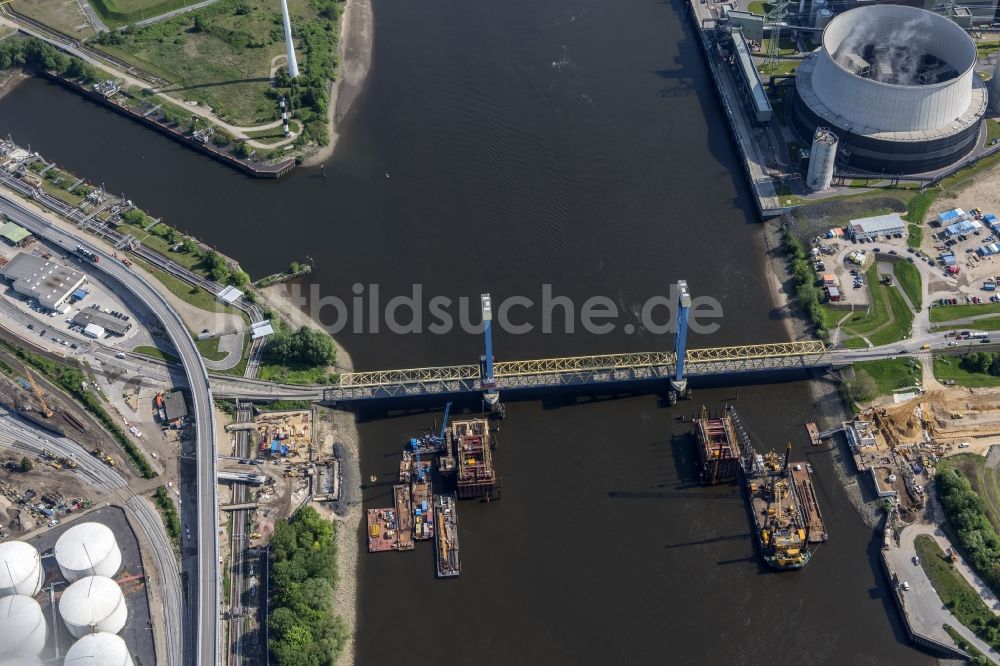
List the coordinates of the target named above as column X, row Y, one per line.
column 23, row 626
column 93, row 604
column 50, row 283
column 101, row 649
column 21, row 570
column 898, row 87
column 88, row 549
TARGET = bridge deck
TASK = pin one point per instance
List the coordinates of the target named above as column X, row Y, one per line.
column 577, row 370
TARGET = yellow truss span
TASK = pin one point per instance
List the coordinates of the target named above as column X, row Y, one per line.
column 549, row 366
column 745, row 352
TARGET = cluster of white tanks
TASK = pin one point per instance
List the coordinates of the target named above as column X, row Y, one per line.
column 92, row 606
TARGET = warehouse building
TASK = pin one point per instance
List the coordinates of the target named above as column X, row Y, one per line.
column 880, row 225
column 175, row 408
column 97, row 319
column 14, row 234
column 51, row 284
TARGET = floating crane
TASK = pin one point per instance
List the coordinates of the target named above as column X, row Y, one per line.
column 678, row 385
column 37, row 392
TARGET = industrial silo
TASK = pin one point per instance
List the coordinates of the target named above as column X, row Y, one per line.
column 21, row 569
column 93, row 604
column 814, row 9
column 88, row 549
column 101, row 649
column 23, row 626
column 822, row 157
column 823, row 17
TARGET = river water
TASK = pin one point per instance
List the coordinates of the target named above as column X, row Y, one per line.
column 499, row 147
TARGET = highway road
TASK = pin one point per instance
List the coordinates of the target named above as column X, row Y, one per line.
column 206, row 631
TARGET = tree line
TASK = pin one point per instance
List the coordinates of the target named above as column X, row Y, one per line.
column 986, row 363
column 809, row 295
column 36, row 54
column 304, row 629
column 976, row 535
column 304, row 347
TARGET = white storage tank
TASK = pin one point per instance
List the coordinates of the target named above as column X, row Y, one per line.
column 21, row 569
column 822, row 157
column 823, row 17
column 93, row 604
column 23, row 625
column 88, row 549
column 101, row 649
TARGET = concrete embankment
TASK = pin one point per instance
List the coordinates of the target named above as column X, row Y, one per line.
column 754, row 164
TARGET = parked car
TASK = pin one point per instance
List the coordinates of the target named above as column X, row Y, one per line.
column 905, row 586
column 893, row 252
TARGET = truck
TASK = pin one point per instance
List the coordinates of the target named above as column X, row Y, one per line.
column 978, row 335
column 87, row 254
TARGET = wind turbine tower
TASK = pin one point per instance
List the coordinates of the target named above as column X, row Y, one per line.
column 293, row 66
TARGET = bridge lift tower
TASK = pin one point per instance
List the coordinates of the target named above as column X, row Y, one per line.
column 491, row 394
column 678, row 384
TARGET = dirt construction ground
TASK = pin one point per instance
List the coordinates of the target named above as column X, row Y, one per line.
column 952, row 417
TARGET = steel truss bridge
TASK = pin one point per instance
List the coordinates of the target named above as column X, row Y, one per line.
column 551, row 373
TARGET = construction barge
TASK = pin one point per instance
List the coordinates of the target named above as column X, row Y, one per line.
column 381, row 530
column 719, row 452
column 780, row 495
column 436, row 469
column 778, row 515
column 476, row 476
column 404, row 513
column 448, row 564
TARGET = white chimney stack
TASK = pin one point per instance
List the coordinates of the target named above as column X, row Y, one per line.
column 293, row 66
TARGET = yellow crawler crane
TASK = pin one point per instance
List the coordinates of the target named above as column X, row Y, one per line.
column 39, row 396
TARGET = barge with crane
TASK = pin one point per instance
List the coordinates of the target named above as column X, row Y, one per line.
column 781, row 497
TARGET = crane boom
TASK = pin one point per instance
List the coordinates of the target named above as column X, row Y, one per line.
column 46, row 412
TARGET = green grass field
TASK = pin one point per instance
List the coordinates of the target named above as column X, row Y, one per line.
column 226, row 66
column 947, row 368
column 985, row 481
column 959, row 597
column 155, row 352
column 988, row 324
column 908, row 277
column 196, row 296
column 888, row 319
column 209, row 349
column 914, row 235
column 993, row 129
column 891, row 374
column 952, row 312
column 66, row 17
column 122, row 12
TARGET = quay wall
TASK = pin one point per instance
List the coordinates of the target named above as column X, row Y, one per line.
column 714, row 67
column 252, row 169
column 935, row 646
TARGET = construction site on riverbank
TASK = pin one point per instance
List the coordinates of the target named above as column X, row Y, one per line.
column 435, row 470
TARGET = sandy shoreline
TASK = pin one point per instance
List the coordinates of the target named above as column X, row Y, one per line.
column 828, row 409
column 349, row 512
column 356, row 35
column 11, row 78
